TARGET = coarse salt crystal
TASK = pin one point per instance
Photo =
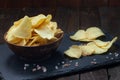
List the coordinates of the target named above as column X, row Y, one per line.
column 34, row 69
column 26, row 65
column 76, row 63
column 44, row 69
column 56, row 67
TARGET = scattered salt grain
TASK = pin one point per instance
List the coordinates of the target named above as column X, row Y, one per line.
column 34, row 69
column 110, row 53
column 93, row 62
column 76, row 63
column 107, row 57
column 56, row 67
column 38, row 67
column 44, row 69
column 66, row 65
column 63, row 62
column 116, row 54
column 94, row 59
column 26, row 65
column 25, row 68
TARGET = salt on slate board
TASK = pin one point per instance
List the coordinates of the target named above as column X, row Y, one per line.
column 13, row 68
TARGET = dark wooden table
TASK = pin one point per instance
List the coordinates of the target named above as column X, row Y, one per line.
column 72, row 19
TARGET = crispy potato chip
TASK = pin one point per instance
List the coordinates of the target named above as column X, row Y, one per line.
column 48, row 18
column 94, row 32
column 53, row 26
column 101, row 49
column 79, row 35
column 23, row 30
column 16, row 23
column 97, row 50
column 23, row 42
column 10, row 37
column 74, row 51
column 36, row 40
column 110, row 44
column 45, row 32
column 86, row 50
column 101, row 43
column 89, row 35
column 37, row 20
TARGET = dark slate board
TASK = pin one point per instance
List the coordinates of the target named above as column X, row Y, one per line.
column 12, row 68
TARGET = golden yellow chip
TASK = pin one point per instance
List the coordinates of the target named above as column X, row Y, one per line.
column 101, row 43
column 101, row 49
column 10, row 35
column 23, row 30
column 37, row 20
column 79, row 35
column 110, row 44
column 74, row 52
column 97, row 50
column 87, row 50
column 16, row 23
column 45, row 32
column 94, row 32
column 23, row 42
column 48, row 18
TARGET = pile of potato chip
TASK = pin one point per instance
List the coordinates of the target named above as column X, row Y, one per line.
column 94, row 47
column 33, row 31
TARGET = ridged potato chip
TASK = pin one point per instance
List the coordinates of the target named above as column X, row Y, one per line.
column 86, row 50
column 23, row 30
column 10, row 36
column 101, row 49
column 45, row 32
column 37, row 20
column 79, row 35
column 89, row 35
column 74, row 52
column 93, row 33
column 101, row 43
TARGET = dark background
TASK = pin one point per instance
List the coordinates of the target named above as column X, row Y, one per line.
column 56, row 3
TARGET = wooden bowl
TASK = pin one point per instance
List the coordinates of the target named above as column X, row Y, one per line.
column 35, row 52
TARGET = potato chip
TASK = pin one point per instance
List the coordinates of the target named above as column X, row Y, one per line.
column 110, row 44
column 16, row 23
column 48, row 18
column 101, row 43
column 36, row 40
column 79, row 35
column 74, row 51
column 23, row 42
column 97, row 50
column 10, row 37
column 93, row 33
column 89, row 35
column 23, row 30
column 86, row 50
column 101, row 49
column 37, row 20
column 45, row 32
